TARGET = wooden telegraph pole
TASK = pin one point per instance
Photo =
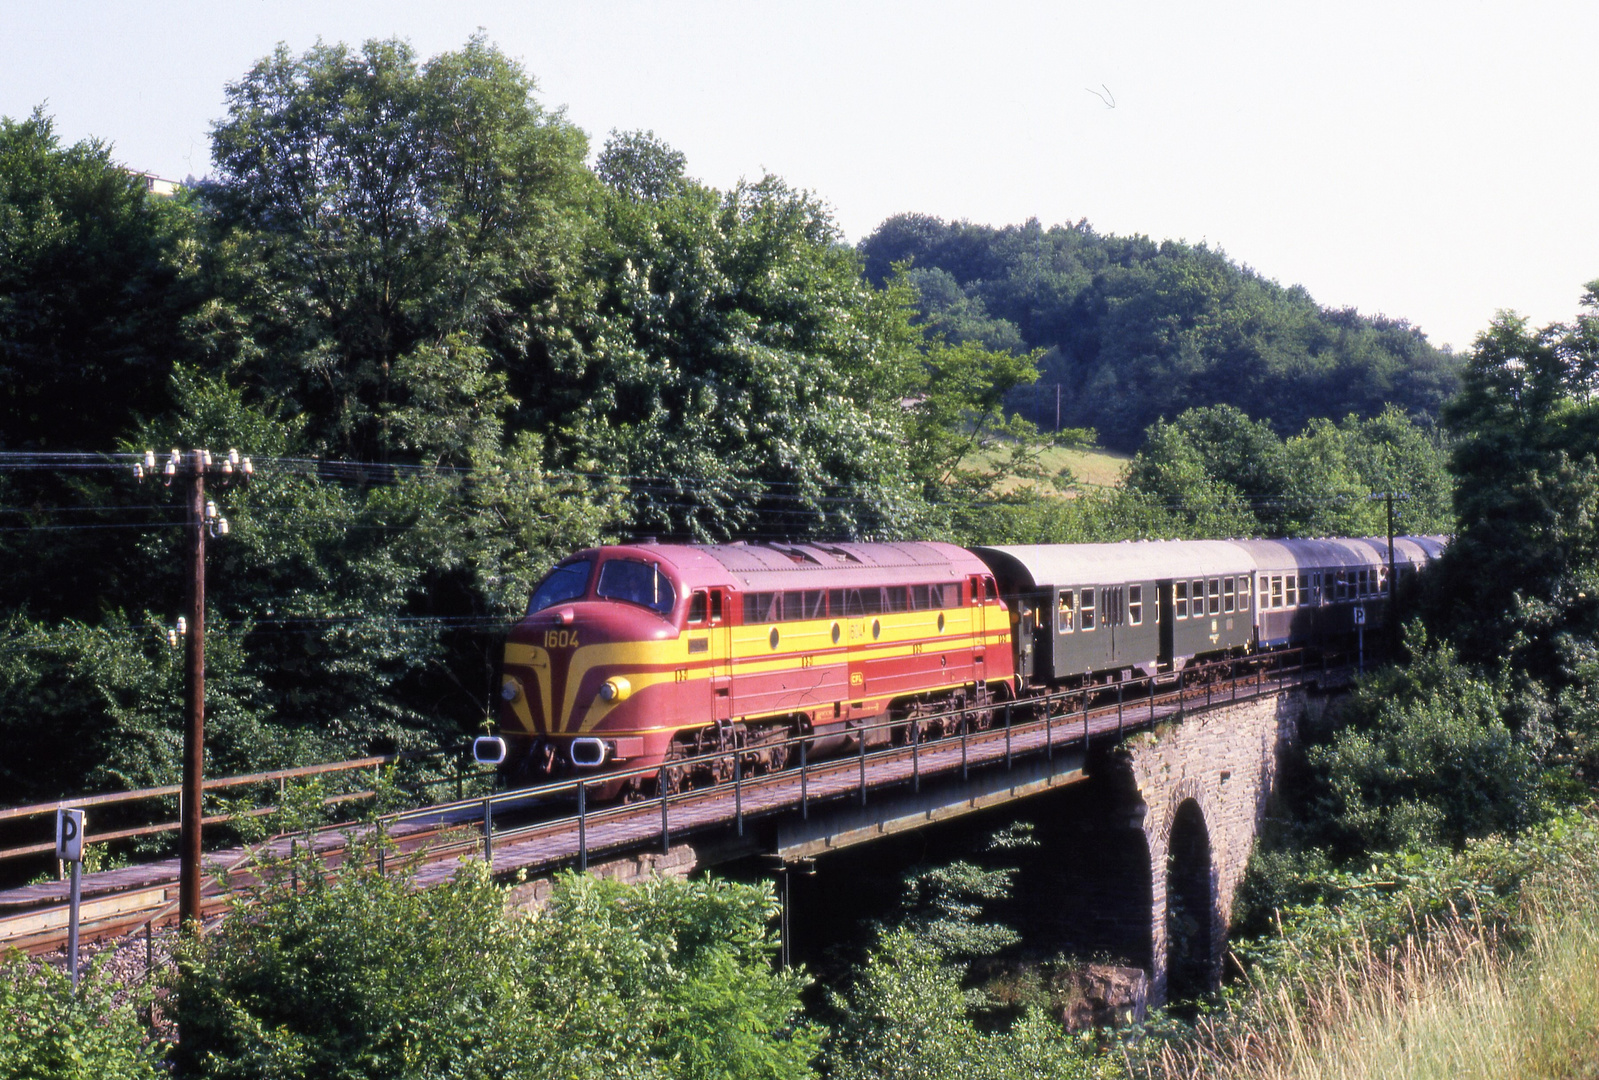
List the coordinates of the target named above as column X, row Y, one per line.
column 194, row 699
column 201, row 518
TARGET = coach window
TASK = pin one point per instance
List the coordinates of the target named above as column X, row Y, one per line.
column 1292, row 599
column 1135, row 604
column 1086, row 608
column 1276, row 591
column 1304, row 590
column 1341, row 585
column 1363, row 583
column 1382, row 580
column 1067, row 619
column 1180, row 599
column 1215, row 596
column 1227, row 595
column 1243, row 594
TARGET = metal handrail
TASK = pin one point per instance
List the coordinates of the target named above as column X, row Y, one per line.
column 578, row 785
column 34, row 810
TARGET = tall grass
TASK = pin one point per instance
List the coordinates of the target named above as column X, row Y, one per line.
column 1451, row 1001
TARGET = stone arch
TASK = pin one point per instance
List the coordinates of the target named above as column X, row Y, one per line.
column 1190, row 931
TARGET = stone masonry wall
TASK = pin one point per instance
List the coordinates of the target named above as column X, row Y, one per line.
column 1227, row 761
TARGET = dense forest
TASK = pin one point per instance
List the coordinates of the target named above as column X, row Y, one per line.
column 1135, row 330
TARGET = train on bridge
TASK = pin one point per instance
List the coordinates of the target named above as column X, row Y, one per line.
column 635, row 656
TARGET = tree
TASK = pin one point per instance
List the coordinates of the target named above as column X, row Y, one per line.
column 1521, row 572
column 96, row 280
column 742, row 371
column 368, row 206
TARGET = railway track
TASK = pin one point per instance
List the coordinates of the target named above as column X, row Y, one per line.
column 435, row 838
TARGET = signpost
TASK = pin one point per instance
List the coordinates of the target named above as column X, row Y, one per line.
column 69, row 848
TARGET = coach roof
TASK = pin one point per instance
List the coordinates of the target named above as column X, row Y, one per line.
column 1141, row 560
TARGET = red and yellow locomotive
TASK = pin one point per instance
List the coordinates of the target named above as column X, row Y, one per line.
column 638, row 655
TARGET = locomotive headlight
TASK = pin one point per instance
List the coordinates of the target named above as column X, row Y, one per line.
column 510, row 691
column 615, row 689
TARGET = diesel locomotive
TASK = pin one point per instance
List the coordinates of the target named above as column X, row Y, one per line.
column 637, row 655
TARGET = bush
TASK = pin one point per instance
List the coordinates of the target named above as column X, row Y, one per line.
column 49, row 1033
column 365, row 975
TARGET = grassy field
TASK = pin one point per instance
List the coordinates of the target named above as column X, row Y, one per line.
column 1092, row 467
column 1455, row 1004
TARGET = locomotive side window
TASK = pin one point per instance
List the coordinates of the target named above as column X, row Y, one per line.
column 1180, row 599
column 896, row 598
column 1087, row 609
column 1215, row 596
column 716, row 605
column 1243, row 594
column 1292, row 599
column 696, row 606
column 636, row 583
column 990, row 591
column 1066, row 618
column 1227, row 595
column 1135, row 604
column 566, row 582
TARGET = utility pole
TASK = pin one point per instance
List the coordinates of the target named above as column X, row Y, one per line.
column 1057, row 407
column 201, row 518
column 193, row 700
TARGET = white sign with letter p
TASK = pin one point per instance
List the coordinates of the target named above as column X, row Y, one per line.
column 69, row 835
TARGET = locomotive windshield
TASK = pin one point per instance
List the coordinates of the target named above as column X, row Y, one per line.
column 637, row 583
column 565, row 582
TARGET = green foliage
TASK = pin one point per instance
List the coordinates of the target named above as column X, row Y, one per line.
column 737, row 364
column 905, row 1018
column 1522, row 575
column 1221, row 474
column 368, row 206
column 1136, row 331
column 364, row 975
column 1429, row 753
column 48, row 1032
column 96, row 280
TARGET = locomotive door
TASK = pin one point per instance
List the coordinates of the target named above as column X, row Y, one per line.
column 721, row 645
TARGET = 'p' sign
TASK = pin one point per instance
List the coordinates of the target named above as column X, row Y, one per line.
column 69, row 835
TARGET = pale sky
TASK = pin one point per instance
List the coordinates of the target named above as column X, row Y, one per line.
column 1428, row 161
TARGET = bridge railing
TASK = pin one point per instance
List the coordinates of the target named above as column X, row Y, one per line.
column 1054, row 714
column 1061, row 713
column 156, row 823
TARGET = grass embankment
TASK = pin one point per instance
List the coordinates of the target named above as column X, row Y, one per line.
column 1091, row 468
column 1461, row 997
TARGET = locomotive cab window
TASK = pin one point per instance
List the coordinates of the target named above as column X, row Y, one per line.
column 1180, row 599
column 1066, row 617
column 1135, row 605
column 636, row 583
column 697, row 606
column 1087, row 611
column 566, row 582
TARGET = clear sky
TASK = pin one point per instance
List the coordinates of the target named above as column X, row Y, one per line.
column 1429, row 161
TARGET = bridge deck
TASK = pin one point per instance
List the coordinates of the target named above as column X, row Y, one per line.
column 34, row 917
